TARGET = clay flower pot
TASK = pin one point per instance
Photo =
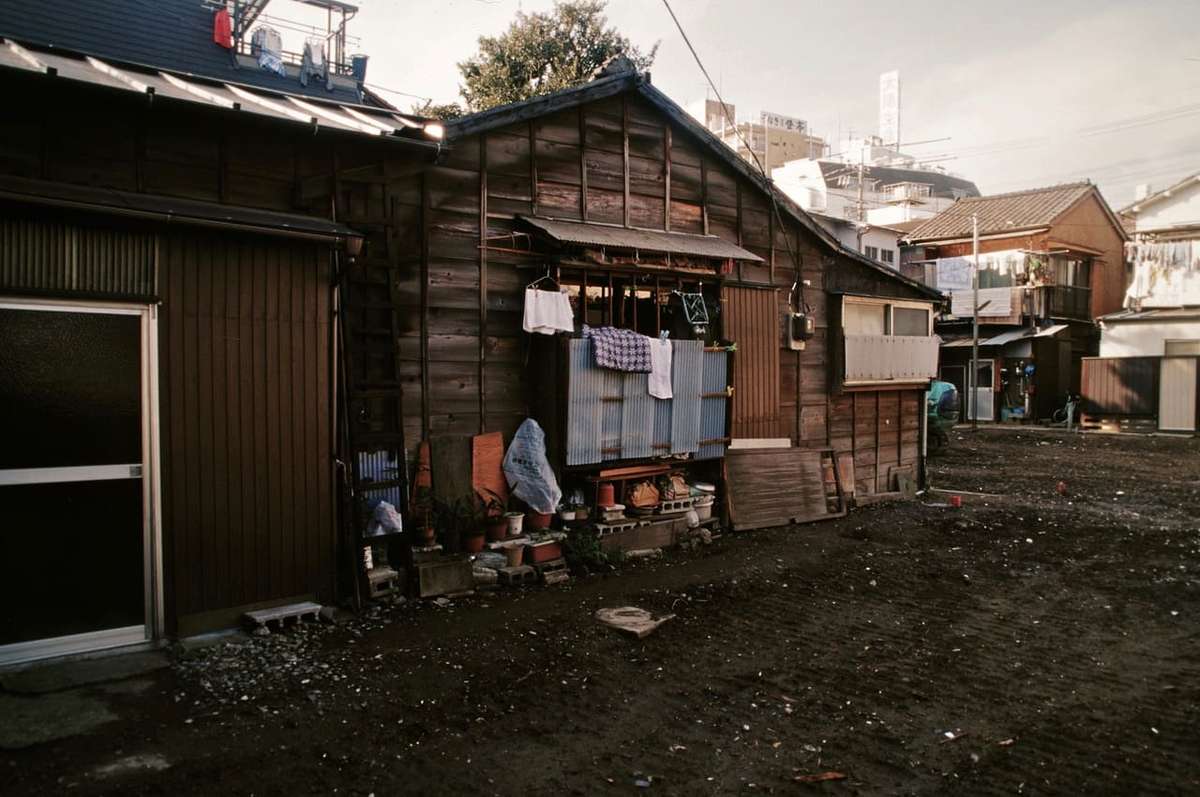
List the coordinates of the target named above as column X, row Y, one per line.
column 538, row 520
column 515, row 554
column 473, row 543
column 497, row 528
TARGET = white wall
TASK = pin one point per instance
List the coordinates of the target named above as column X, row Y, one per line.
column 1180, row 209
column 883, row 239
column 802, row 182
column 1144, row 338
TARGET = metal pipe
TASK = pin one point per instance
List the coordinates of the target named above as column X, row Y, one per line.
column 975, row 324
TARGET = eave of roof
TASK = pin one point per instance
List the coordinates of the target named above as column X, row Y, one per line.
column 579, row 233
column 1165, row 193
column 214, row 95
column 1152, row 314
column 934, row 230
column 171, row 209
column 629, row 81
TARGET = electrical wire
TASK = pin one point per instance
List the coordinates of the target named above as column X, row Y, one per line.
column 787, row 241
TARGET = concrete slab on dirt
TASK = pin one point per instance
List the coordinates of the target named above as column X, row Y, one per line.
column 41, row 679
column 149, row 762
column 26, row 720
column 632, row 620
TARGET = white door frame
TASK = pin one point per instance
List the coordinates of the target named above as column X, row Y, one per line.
column 987, row 406
column 1173, row 397
column 151, row 476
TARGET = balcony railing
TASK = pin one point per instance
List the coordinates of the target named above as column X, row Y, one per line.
column 1063, row 301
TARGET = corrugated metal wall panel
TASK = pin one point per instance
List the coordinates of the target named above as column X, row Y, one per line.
column 51, row 257
column 1120, row 385
column 752, row 320
column 637, row 417
column 585, row 414
column 686, row 376
column 248, row 502
column 637, row 425
column 712, row 410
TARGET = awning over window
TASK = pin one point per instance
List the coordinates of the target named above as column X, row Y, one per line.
column 575, row 233
column 1011, row 336
column 171, row 209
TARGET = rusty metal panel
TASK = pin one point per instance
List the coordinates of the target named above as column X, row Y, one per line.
column 751, row 319
column 714, row 380
column 50, row 257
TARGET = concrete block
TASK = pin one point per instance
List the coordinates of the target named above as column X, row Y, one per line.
column 444, row 576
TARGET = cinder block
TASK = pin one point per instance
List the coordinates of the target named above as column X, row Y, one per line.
column 661, row 534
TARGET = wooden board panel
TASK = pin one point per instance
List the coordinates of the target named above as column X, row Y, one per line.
column 775, row 487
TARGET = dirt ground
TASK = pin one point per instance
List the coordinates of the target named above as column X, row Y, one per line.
column 1055, row 637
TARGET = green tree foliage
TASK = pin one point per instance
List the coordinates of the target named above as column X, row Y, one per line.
column 544, row 52
column 432, row 110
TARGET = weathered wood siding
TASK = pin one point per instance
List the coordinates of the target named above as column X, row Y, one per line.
column 617, row 160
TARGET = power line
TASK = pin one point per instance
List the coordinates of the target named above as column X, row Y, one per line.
column 787, row 241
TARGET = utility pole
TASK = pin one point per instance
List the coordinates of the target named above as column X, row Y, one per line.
column 975, row 324
column 861, row 210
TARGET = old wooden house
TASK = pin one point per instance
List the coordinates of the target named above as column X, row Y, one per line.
column 1051, row 262
column 231, row 306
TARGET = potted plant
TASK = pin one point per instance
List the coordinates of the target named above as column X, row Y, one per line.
column 460, row 525
column 494, row 520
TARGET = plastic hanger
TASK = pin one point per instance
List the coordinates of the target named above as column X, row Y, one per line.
column 542, row 279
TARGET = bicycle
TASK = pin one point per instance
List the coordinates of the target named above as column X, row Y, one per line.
column 1065, row 415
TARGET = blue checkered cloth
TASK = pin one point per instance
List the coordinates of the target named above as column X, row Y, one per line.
column 619, row 349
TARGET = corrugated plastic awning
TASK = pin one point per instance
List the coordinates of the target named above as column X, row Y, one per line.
column 578, row 233
column 171, row 209
column 1010, row 336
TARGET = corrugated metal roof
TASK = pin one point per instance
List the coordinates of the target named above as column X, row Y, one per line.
column 1000, row 213
column 1009, row 336
column 359, row 119
column 176, row 35
column 1153, row 314
column 676, row 243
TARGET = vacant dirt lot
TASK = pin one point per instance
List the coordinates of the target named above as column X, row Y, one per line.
column 1057, row 637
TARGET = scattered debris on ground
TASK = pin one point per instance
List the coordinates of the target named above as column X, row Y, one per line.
column 1054, row 635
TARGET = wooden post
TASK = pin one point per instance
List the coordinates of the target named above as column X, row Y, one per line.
column 533, row 176
column 877, row 441
column 583, row 201
column 666, row 179
column 483, row 281
column 704, row 194
column 425, row 217
column 771, row 242
column 738, row 186
column 625, row 151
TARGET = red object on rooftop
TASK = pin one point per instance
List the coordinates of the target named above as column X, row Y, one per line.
column 223, row 29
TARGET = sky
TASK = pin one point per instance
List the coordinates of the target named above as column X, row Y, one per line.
column 1028, row 92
